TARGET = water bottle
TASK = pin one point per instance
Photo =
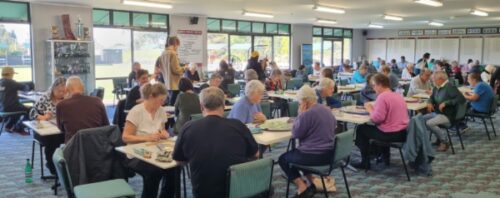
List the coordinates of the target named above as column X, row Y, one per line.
column 28, row 172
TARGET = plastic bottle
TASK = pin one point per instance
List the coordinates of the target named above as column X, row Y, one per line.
column 28, row 172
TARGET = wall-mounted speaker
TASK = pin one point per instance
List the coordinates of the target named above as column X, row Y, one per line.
column 365, row 32
column 193, row 20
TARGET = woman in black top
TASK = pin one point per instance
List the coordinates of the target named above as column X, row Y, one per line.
column 253, row 63
column 134, row 96
column 227, row 73
column 192, row 73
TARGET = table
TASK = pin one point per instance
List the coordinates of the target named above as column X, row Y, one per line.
column 350, row 88
column 268, row 138
column 404, row 82
column 198, row 85
column 287, row 95
column 31, row 96
column 465, row 89
column 349, row 117
column 42, row 130
column 421, row 95
column 151, row 147
column 312, row 78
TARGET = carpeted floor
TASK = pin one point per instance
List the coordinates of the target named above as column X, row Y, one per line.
column 475, row 169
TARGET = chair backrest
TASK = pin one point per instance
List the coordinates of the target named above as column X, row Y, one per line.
column 293, row 109
column 250, row 179
column 344, row 142
column 294, row 83
column 234, row 89
column 120, row 117
column 266, row 108
column 196, row 116
column 62, row 171
column 98, row 92
column 226, row 113
column 461, row 111
column 343, row 82
column 119, row 83
column 494, row 105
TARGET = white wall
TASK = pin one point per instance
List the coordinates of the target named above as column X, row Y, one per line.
column 358, row 45
column 301, row 34
column 43, row 17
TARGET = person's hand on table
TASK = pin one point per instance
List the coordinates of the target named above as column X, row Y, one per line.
column 154, row 137
column 259, row 117
column 164, row 134
column 442, row 106
column 430, row 108
column 368, row 107
column 47, row 116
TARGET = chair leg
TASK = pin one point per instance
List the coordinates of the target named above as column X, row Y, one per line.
column 41, row 160
column 184, row 182
column 345, row 181
column 486, row 128
column 287, row 186
column 493, row 126
column 32, row 153
column 451, row 142
column 460, row 137
column 404, row 164
column 324, row 187
column 3, row 126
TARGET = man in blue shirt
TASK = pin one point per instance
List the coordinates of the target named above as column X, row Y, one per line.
column 482, row 96
column 248, row 109
column 359, row 76
column 403, row 63
column 324, row 91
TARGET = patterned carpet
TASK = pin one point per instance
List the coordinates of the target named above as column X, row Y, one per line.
column 475, row 169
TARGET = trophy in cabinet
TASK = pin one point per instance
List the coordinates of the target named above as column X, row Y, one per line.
column 67, row 27
column 55, row 32
column 79, row 29
column 86, row 33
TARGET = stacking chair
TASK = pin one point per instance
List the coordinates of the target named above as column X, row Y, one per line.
column 460, row 117
column 196, row 116
column 343, row 147
column 105, row 189
column 294, row 83
column 5, row 116
column 98, row 92
column 234, row 89
column 396, row 145
column 251, row 179
column 293, row 109
column 118, row 85
column 266, row 109
column 483, row 116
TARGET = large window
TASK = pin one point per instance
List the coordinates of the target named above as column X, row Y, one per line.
column 148, row 46
column 234, row 40
column 15, row 39
column 331, row 46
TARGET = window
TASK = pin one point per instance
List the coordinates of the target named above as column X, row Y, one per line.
column 217, row 49
column 327, row 53
column 284, row 29
column 100, row 17
column 328, row 31
column 317, row 31
column 331, row 46
column 337, row 53
column 213, row 25
column 264, row 45
column 271, row 28
column 338, row 32
column 148, row 46
column 347, row 49
column 317, row 46
column 282, row 51
column 121, row 18
column 159, row 21
column 15, row 39
column 229, row 25
column 240, row 50
column 244, row 26
column 258, row 28
column 140, row 19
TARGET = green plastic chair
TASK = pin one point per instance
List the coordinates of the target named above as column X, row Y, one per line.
column 105, row 189
column 266, row 108
column 461, row 113
column 234, row 89
column 251, row 179
column 197, row 116
column 293, row 108
column 294, row 83
column 5, row 115
column 489, row 115
column 344, row 143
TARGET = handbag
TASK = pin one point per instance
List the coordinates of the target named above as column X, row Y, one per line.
column 329, row 183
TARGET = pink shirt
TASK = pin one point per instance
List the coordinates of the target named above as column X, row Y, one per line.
column 390, row 112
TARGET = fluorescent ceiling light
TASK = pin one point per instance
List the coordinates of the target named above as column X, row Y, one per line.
column 375, row 26
column 436, row 24
column 478, row 13
column 147, row 4
column 433, row 3
column 253, row 14
column 393, row 18
column 328, row 9
column 332, row 22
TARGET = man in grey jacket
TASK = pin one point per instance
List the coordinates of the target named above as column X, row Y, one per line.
column 421, row 84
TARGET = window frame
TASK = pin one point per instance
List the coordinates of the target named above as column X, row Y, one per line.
column 333, row 38
column 149, row 27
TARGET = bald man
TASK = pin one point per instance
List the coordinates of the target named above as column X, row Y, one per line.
column 78, row 111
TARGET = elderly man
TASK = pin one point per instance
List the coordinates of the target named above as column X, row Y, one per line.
column 132, row 77
column 78, row 111
column 482, row 96
column 324, row 92
column 402, row 64
column 359, row 76
column 314, row 128
column 247, row 109
column 250, row 74
column 443, row 103
column 421, row 84
column 9, row 101
column 212, row 144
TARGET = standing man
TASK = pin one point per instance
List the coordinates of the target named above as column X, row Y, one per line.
column 403, row 63
column 171, row 69
column 422, row 63
column 132, row 80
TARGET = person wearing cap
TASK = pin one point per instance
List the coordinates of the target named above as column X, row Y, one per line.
column 10, row 100
column 253, row 63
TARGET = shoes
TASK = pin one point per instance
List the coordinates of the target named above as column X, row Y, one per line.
column 436, row 143
column 443, row 147
column 361, row 165
column 308, row 193
column 52, row 169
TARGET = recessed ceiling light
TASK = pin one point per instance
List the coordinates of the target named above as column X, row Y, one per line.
column 326, row 21
column 375, row 26
column 393, row 18
column 254, row 14
column 433, row 3
column 478, row 12
column 147, row 4
column 321, row 8
column 433, row 23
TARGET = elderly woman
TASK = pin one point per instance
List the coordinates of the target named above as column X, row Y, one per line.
column 488, row 71
column 359, row 75
column 186, row 105
column 273, row 83
column 146, row 123
column 192, row 73
column 134, row 95
column 45, row 109
column 248, row 109
column 408, row 72
column 390, row 116
column 250, row 75
column 314, row 128
column 324, row 93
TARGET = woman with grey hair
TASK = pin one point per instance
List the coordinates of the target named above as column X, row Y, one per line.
column 324, row 92
column 248, row 109
column 251, row 74
column 315, row 129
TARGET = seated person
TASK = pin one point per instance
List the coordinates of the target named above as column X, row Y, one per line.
column 273, row 83
column 157, row 75
column 9, row 101
column 393, row 79
column 367, row 94
column 488, row 71
column 132, row 80
column 134, row 95
column 45, row 109
column 482, row 96
column 212, row 144
column 215, row 81
column 317, row 69
column 324, row 92
column 421, row 84
column 192, row 73
column 187, row 104
column 78, row 111
column 227, row 73
column 359, row 75
column 390, row 116
column 250, row 75
column 247, row 109
column 443, row 105
column 314, row 128
column 146, row 123
column 346, row 67
column 408, row 72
